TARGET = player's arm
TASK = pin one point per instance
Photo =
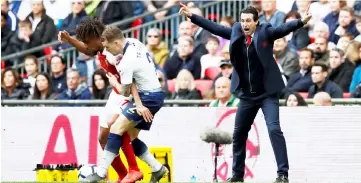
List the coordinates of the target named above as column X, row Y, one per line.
column 135, row 94
column 123, row 89
column 64, row 36
column 147, row 115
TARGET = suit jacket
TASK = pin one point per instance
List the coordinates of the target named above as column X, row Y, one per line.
column 263, row 39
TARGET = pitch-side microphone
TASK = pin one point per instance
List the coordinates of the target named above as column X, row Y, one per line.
column 216, row 135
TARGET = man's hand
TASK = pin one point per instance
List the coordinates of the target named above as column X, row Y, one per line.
column 145, row 112
column 185, row 11
column 307, row 16
column 63, row 36
column 112, row 80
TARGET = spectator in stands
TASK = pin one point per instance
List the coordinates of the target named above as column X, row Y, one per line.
column 211, row 59
column 293, row 99
column 301, row 6
column 183, row 59
column 357, row 92
column 200, row 37
column 298, row 39
column 73, row 19
column 43, row 26
column 225, row 52
column 100, row 85
column 321, row 52
column 321, row 30
column 341, row 70
column 12, row 87
column 184, row 29
column 344, row 41
column 86, row 66
column 319, row 10
column 157, row 47
column 163, row 83
column 332, row 18
column 346, row 24
column 31, row 65
column 224, row 98
column 226, row 70
column 270, row 14
column 11, row 18
column 353, row 57
column 322, row 99
column 25, row 39
column 75, row 90
column 185, row 87
column 6, row 35
column 43, row 88
column 302, row 81
column 226, row 21
column 321, row 83
column 287, row 59
column 58, row 75
column 114, row 11
column 358, row 27
column 153, row 6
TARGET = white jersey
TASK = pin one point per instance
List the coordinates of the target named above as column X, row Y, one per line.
column 136, row 63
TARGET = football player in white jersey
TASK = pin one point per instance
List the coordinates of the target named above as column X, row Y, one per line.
column 89, row 34
column 133, row 63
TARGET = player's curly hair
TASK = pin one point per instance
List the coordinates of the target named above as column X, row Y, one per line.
column 89, row 28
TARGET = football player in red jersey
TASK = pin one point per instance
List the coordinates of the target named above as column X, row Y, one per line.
column 89, row 42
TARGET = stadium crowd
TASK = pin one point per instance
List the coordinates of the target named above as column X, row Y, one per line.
column 320, row 61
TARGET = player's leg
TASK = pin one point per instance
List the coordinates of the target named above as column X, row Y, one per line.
column 110, row 118
column 117, row 163
column 112, row 147
column 112, row 109
column 142, row 152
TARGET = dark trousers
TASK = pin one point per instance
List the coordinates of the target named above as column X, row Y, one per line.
column 245, row 116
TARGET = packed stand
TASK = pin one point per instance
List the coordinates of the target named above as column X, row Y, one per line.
column 321, row 61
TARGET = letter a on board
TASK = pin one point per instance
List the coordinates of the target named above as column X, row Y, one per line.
column 67, row 157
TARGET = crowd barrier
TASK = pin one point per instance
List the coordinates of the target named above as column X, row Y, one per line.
column 335, row 101
column 324, row 143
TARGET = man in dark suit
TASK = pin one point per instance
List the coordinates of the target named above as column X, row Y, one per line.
column 256, row 80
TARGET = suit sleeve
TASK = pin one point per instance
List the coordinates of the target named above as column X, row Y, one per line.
column 212, row 27
column 284, row 29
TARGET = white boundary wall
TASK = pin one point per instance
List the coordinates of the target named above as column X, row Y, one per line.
column 324, row 143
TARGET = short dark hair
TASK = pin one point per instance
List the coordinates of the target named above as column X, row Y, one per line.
column 25, row 23
column 213, row 38
column 309, row 50
column 348, row 9
column 290, row 14
column 89, row 28
column 4, row 14
column 251, row 10
column 324, row 67
column 58, row 56
column 112, row 33
column 32, row 57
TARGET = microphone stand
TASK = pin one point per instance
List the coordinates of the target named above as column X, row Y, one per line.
column 215, row 164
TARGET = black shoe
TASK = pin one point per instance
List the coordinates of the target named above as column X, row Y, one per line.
column 235, row 179
column 281, row 179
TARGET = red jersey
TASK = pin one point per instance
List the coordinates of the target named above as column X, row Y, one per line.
column 108, row 68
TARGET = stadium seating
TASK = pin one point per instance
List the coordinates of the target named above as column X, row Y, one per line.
column 203, row 85
column 212, row 72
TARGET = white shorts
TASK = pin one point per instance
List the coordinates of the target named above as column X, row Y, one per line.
column 112, row 107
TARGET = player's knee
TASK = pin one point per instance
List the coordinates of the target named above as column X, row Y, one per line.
column 103, row 135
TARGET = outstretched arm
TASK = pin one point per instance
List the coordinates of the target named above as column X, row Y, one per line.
column 80, row 46
column 286, row 28
column 206, row 24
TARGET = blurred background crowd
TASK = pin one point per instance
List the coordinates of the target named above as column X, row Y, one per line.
column 322, row 60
